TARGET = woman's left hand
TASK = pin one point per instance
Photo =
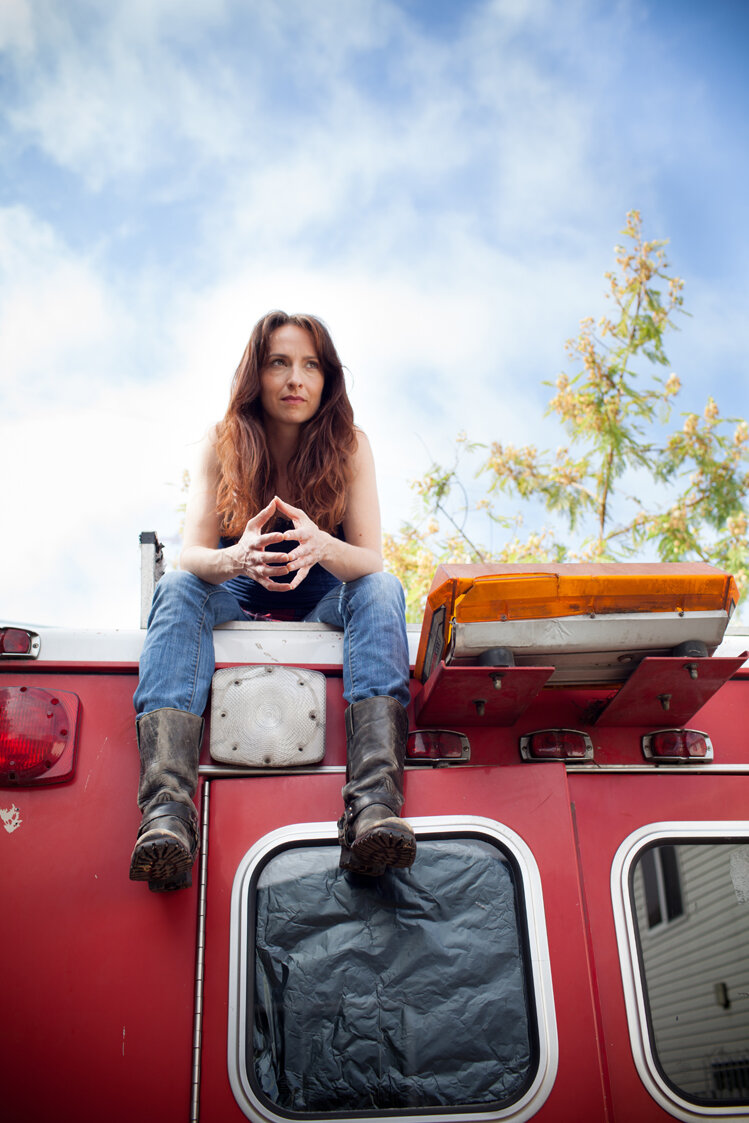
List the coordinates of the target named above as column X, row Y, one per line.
column 313, row 542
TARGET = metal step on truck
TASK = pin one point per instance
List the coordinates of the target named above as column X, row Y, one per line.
column 571, row 944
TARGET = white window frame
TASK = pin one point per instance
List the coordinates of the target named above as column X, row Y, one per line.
column 625, row 920
column 443, row 826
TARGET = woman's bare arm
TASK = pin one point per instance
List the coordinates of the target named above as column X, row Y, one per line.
column 200, row 552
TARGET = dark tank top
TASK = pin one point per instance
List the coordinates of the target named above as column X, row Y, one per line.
column 256, row 600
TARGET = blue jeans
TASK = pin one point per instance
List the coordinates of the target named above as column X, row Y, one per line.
column 177, row 662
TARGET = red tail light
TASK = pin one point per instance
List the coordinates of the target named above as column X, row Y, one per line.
column 556, row 744
column 18, row 643
column 37, row 735
column 677, row 745
column 437, row 744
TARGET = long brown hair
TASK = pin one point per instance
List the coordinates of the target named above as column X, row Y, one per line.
column 317, row 472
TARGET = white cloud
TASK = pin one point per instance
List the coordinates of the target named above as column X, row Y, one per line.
column 106, row 91
column 16, row 25
column 446, row 216
column 58, row 318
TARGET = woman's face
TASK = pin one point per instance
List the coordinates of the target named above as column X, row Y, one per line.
column 291, row 381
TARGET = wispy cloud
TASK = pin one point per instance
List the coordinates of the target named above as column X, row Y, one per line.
column 445, row 193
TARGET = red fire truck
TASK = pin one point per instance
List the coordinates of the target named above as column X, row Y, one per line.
column 571, row 944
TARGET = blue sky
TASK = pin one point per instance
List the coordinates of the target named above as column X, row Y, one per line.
column 442, row 182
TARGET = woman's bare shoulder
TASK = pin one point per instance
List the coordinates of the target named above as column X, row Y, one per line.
column 360, row 457
column 211, row 435
column 209, row 440
column 206, row 460
column 361, row 465
column 361, row 444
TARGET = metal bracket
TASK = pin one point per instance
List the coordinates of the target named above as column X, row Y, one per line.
column 478, row 695
column 152, row 568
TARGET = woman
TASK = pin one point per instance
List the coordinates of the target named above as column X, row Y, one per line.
column 282, row 521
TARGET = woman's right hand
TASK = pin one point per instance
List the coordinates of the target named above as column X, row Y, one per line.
column 249, row 553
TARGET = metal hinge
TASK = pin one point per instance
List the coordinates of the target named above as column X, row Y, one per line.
column 152, row 567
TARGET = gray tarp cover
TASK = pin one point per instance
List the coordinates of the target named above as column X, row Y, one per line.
column 403, row 991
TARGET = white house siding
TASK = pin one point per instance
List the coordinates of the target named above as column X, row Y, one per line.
column 684, row 960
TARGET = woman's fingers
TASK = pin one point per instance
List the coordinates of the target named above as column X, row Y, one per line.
column 262, row 541
column 264, row 565
column 258, row 521
column 301, row 557
column 300, row 575
column 288, row 510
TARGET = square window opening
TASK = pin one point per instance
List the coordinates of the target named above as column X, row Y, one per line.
column 403, row 994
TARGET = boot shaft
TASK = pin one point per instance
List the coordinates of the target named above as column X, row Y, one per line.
column 376, row 730
column 169, row 746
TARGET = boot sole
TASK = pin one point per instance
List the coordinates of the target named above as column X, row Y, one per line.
column 181, row 881
column 162, row 858
column 353, row 864
column 385, row 846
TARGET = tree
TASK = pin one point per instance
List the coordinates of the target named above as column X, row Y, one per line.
column 613, row 409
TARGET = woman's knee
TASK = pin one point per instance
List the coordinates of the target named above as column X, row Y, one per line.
column 382, row 587
column 178, row 594
column 176, row 584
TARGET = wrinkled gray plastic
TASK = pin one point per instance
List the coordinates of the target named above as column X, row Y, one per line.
column 406, row 991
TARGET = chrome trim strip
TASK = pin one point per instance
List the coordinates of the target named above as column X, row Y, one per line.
column 197, row 1039
column 654, row 769
column 428, row 826
column 224, row 771
column 634, row 998
column 218, row 772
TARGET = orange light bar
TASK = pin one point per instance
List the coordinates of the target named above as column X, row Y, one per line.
column 472, row 593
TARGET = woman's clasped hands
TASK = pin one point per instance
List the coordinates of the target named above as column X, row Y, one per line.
column 266, row 566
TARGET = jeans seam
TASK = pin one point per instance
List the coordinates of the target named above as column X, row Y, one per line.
column 206, row 597
column 196, row 664
column 346, row 617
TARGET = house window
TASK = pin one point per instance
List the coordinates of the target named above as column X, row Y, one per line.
column 662, row 885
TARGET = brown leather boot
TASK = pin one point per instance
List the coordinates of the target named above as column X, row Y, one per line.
column 371, row 835
column 168, row 838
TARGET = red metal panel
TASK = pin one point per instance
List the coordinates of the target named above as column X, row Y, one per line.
column 456, row 696
column 97, row 972
column 606, row 813
column 668, row 691
column 531, row 801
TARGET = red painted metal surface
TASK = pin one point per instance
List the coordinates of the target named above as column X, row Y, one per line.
column 605, row 815
column 668, row 691
column 97, row 973
column 532, row 802
column 457, row 696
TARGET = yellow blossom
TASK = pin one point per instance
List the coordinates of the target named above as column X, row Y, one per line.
column 736, row 525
